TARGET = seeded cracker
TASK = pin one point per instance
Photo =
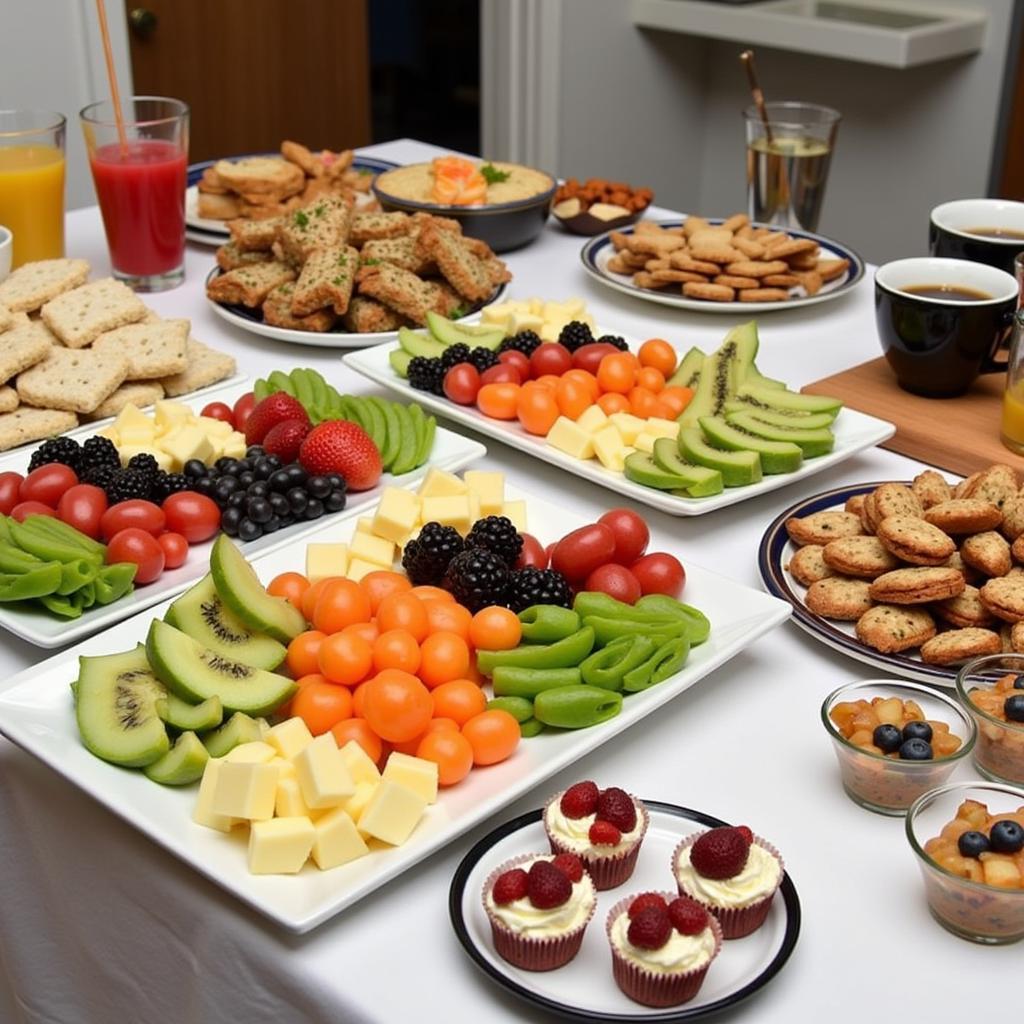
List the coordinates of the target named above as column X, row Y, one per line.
column 76, row 381
column 206, row 366
column 26, row 424
column 153, row 350
column 250, row 285
column 326, row 280
column 21, row 347
column 140, row 394
column 80, row 316
column 8, row 399
column 32, row 284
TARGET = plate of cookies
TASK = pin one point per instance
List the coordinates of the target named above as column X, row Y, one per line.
column 915, row 577
column 722, row 265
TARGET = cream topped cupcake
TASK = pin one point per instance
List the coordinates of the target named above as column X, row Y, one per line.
column 733, row 873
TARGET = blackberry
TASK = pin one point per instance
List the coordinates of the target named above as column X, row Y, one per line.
column 614, row 340
column 129, row 483
column 531, row 586
column 575, row 334
column 455, row 354
column 497, row 535
column 477, row 578
column 526, row 342
column 146, row 464
column 426, row 559
column 99, row 451
column 101, row 476
column 64, row 450
column 167, row 484
column 426, row 375
column 483, row 358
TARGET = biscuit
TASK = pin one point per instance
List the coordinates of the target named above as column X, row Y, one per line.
column 662, row 264
column 327, row 279
column 693, row 224
column 81, row 315
column 966, row 609
column 206, row 366
column 657, row 245
column 805, row 261
column 964, row 515
column 712, row 292
column 781, row 280
column 230, row 257
column 26, row 424
column 790, row 247
column 254, row 235
column 764, row 295
column 277, row 310
column 401, row 291
column 931, row 489
column 1016, row 637
column 32, row 284
column 249, row 286
column 809, row 280
column 260, row 174
column 714, row 252
column 854, row 504
column 402, row 252
column 217, row 206
column 642, row 279
column 961, row 489
column 710, row 237
column 617, row 265
column 153, row 350
column 868, row 514
column 996, row 484
column 822, row 527
column 73, row 380
column 988, row 552
column 367, row 316
column 807, row 566
column 895, row 499
column 837, row 597
column 463, row 269
column 915, row 540
column 664, row 277
column 7, row 318
column 21, row 347
column 955, row 561
column 731, row 281
column 959, row 645
column 684, row 261
column 8, row 399
column 1012, row 525
column 891, row 629
column 751, row 249
column 139, row 394
column 831, row 270
column 863, row 557
column 371, row 227
column 919, row 585
column 323, row 224
column 1004, row 598
column 736, row 222
column 753, row 268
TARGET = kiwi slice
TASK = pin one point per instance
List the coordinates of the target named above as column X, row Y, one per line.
column 373, row 423
column 183, row 764
column 427, row 440
column 400, row 360
column 238, row 729
column 408, row 441
column 389, row 451
column 419, row 426
column 115, row 705
column 202, row 614
column 737, row 467
column 179, row 714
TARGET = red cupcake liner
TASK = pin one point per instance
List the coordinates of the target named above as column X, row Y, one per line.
column 736, row 922
column 532, row 953
column 657, row 988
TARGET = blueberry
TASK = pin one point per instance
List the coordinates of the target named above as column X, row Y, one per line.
column 263, row 468
column 273, row 461
column 1018, row 683
column 296, row 474
column 1013, row 707
column 314, row 510
column 272, row 525
column 226, row 464
column 318, row 486
column 254, row 451
column 1006, row 837
column 887, row 738
column 297, row 499
column 237, row 500
column 916, row 750
column 279, row 480
column 279, row 503
column 972, row 844
column 258, row 489
column 248, row 530
column 336, row 480
column 246, row 477
column 194, row 468
column 335, row 501
column 917, row 731
column 259, row 510
column 225, row 486
column 204, row 485
column 229, row 521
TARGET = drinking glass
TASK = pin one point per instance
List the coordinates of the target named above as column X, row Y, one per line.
column 140, row 185
column 32, row 183
column 787, row 162
column 1011, row 431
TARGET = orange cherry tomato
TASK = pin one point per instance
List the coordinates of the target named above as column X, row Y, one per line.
column 285, row 710
column 664, row 410
column 443, row 656
column 495, row 629
column 537, row 409
column 381, row 584
column 613, row 402
column 498, row 400
column 448, row 617
column 441, row 724
column 358, row 699
column 679, row 397
column 651, row 378
column 397, row 705
column 408, row 746
column 588, row 380
column 404, row 611
column 548, row 380
column 345, row 658
column 341, row 603
column 357, row 730
column 322, row 705
column 289, row 585
column 312, row 595
column 426, row 593
column 659, row 354
column 301, row 658
column 617, row 373
column 450, row 751
column 493, row 735
column 369, row 631
column 573, row 398
column 458, row 701
column 642, row 402
column 397, row 648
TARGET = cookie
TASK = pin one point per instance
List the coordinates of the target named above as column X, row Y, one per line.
column 959, row 645
column 966, row 609
column 781, row 280
column 21, row 347
column 964, row 515
column 919, row 585
column 869, row 515
column 838, row 597
column 831, row 270
column 930, row 489
column 8, row 399
column 763, row 295
column 854, row 504
column 137, row 393
column 996, row 484
column 206, row 366
column 791, row 247
column 711, row 292
column 961, row 489
column 915, row 540
column 810, row 280
column 955, row 561
column 891, row 629
column 863, row 557
column 684, row 261
column 153, row 350
column 895, row 499
column 751, row 249
column 1012, row 525
column 1017, row 637
column 756, row 268
column 988, row 552
column 822, row 527
column 808, row 566
column 730, row 281
column 1004, row 598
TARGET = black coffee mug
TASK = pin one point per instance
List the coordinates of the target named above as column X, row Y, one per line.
column 953, row 231
column 937, row 347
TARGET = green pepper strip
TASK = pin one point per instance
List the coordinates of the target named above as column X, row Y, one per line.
column 48, row 526
column 512, row 681
column 665, row 661
column 531, row 727
column 607, row 667
column 34, row 583
column 114, row 581
column 607, row 630
column 76, row 574
column 568, row 651
column 576, row 707
column 5, row 529
column 63, row 606
column 520, row 708
column 13, row 559
column 698, row 626
column 546, row 623
column 46, row 547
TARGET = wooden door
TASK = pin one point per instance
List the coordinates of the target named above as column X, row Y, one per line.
column 256, row 72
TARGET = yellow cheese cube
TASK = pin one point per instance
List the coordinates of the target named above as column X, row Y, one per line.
column 566, row 308
column 285, row 768
column 364, row 524
column 256, row 752
column 657, row 427
column 359, row 764
column 392, row 813
column 417, row 774
column 322, row 774
column 474, row 510
column 360, row 567
column 290, row 737
column 439, row 483
column 524, row 322
column 213, row 427
column 280, row 846
column 337, row 840
column 203, row 813
column 644, row 442
column 288, row 802
column 397, row 514
column 130, row 418
column 608, row 447
column 628, row 425
column 592, row 420
column 451, row 510
column 323, row 560
column 167, row 413
column 500, row 312
column 234, row 447
column 489, row 488
column 568, row 438
column 187, row 443
column 245, row 790
column 516, row 511
column 378, row 550
column 163, row 460
column 356, row 803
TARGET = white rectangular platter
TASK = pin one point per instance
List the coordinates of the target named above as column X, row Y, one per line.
column 37, row 714
column 854, row 432
column 451, row 451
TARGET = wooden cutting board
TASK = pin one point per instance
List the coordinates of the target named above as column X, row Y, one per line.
column 959, row 434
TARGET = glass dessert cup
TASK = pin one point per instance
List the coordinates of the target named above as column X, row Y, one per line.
column 999, row 752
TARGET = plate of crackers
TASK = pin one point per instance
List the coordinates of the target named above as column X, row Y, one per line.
column 915, row 577
column 720, row 265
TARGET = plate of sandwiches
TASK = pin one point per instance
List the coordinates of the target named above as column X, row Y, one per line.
column 326, row 274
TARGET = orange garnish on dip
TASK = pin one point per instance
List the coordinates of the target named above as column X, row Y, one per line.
column 458, row 182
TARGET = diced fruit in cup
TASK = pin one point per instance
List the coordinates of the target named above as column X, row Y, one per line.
column 885, row 725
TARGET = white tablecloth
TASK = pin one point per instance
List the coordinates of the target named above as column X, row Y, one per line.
column 100, row 926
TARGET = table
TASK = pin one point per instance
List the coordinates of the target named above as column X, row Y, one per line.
column 98, row 925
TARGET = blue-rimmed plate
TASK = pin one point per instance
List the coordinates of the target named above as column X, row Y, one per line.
column 596, row 253
column 774, row 554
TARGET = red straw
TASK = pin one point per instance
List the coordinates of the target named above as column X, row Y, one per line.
column 108, row 54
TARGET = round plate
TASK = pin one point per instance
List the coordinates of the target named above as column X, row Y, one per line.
column 596, row 253
column 584, row 989
column 776, row 550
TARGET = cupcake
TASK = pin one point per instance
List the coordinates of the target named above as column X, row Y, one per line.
column 539, row 907
column 662, row 946
column 604, row 828
column 733, row 873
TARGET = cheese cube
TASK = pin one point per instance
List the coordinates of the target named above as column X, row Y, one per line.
column 364, row 524
column 567, row 308
column 397, row 514
column 234, row 447
column 323, row 560
column 628, row 425
column 524, row 322
column 288, row 802
column 322, row 774
column 372, row 549
column 264, row 727
column 359, row 567
column 658, row 427
column 489, row 488
column 592, row 419
column 359, row 764
column 130, row 420
column 438, row 483
column 567, row 437
column 453, row 510
column 163, row 460
column 256, row 752
column 214, row 428
column 608, row 447
column 392, row 813
column 280, row 846
column 337, row 840
column 167, row 413
column 203, row 813
column 516, row 511
column 245, row 790
column 644, row 442
column 187, row 443
column 499, row 312
column 357, row 802
column 417, row 774
column 285, row 768
column 290, row 737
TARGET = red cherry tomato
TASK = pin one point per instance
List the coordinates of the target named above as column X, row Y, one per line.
column 588, row 357
column 660, row 573
column 9, row 485
column 631, row 534
column 550, row 550
column 136, row 512
column 31, row 508
column 175, row 549
column 550, row 358
column 140, row 547
column 503, row 373
column 461, row 383
column 579, row 553
column 82, row 507
column 193, row 515
column 615, row 581
column 518, row 360
column 243, row 407
column 47, row 483
column 533, row 553
column 219, row 411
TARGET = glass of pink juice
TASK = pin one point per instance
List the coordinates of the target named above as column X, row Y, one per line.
column 140, row 185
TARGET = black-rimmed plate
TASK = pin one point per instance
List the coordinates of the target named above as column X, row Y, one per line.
column 584, row 989
column 775, row 552
column 596, row 253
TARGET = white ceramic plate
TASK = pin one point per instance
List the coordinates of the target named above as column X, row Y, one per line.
column 584, row 989
column 37, row 714
column 854, row 432
column 451, row 451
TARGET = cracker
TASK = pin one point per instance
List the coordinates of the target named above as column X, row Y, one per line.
column 863, row 557
column 1004, row 598
column 930, row 488
column 736, row 222
column 964, row 515
column 830, row 270
column 808, row 566
column 327, row 279
column 959, row 645
column 206, row 366
column 215, row 206
column 369, row 227
column 7, row 318
column 915, row 540
column 137, row 393
column 919, row 585
column 731, row 281
column 714, row 252
column 854, row 504
column 81, row 315
column 230, row 257
column 810, row 280
column 781, row 280
column 8, row 399
column 153, row 350
column 895, row 499
column 21, row 347
column 249, row 286
column 253, row 236
column 260, row 174
column 891, row 629
column 751, row 249
column 791, row 247
column 402, row 252
column 966, row 609
column 764, row 295
column 997, row 484
column 711, row 292
column 367, row 316
column 642, row 279
column 71, row 379
column 401, row 291
column 693, row 224
column 838, row 597
column 32, row 284
column 754, row 268
column 663, row 277
column 277, row 310
column 1012, row 525
column 822, row 527
column 684, row 261
column 26, row 424
column 988, row 552
column 461, row 268
column 322, row 224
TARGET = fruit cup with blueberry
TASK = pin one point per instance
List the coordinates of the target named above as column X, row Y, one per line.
column 992, row 690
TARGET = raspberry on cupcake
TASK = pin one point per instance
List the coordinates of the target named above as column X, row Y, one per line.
column 604, row 828
column 733, row 873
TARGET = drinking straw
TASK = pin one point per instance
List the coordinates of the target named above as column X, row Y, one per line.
column 747, row 60
column 108, row 54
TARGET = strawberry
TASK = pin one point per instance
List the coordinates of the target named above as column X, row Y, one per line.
column 688, row 917
column 720, row 853
column 650, row 929
column 509, row 887
column 746, row 833
column 285, row 439
column 645, row 900
column 580, row 800
column 616, row 805
column 547, row 886
column 570, row 864
column 338, row 446
column 604, row 833
column 274, row 409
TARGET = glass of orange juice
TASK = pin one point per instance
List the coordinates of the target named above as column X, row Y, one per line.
column 1012, row 430
column 32, row 183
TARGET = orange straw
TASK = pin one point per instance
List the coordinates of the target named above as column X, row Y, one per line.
column 747, row 60
column 108, row 54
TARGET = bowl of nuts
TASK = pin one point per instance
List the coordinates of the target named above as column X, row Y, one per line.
column 895, row 740
column 597, row 205
column 992, row 690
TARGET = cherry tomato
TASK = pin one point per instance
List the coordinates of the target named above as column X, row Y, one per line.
column 659, row 354
column 356, row 729
column 137, row 513
column 218, row 411
column 457, row 701
column 518, row 360
column 341, row 603
column 573, row 398
column 404, row 611
column 289, row 585
column 588, row 357
column 396, row 648
column 642, row 402
column 140, row 547
column 448, row 617
column 443, row 656
column 579, row 553
column 175, row 549
column 617, row 373
column 651, row 378
column 537, row 409
column 495, row 629
column 612, row 403
column 675, row 399
column 532, row 554
column 303, row 654
column 461, row 383
column 550, row 357
column 9, row 486
column 47, row 483
column 82, row 507
column 588, row 380
column 345, row 658
column 193, row 515
column 660, row 573
column 503, row 373
column 450, row 751
column 498, row 400
column 615, row 581
column 381, row 583
column 243, row 408
column 397, row 705
column 493, row 735
column 31, row 508
column 322, row 706
column 631, row 534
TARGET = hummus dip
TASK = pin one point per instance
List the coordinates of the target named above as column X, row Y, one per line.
column 416, row 183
